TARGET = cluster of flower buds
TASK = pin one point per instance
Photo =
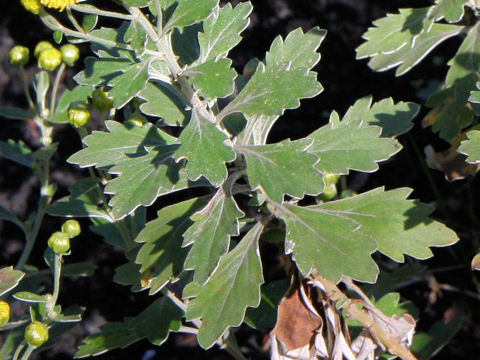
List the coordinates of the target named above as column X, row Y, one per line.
column 49, row 57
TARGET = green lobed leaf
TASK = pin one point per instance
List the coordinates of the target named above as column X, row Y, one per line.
column 234, row 286
column 112, row 335
column 101, row 71
column 350, row 144
column 68, row 207
column 185, row 43
column 153, row 323
column 394, row 31
column 108, row 148
column 471, row 147
column 9, row 278
column 338, row 237
column 127, row 85
column 394, row 119
column 136, row 37
column 222, row 29
column 450, row 10
column 273, row 89
column 299, row 49
column 157, row 320
column 214, row 78
column 264, row 317
column 462, row 75
column 16, row 113
column 203, row 145
column 131, row 226
column 17, row 152
column 141, row 179
column 31, row 297
column 189, row 12
column 80, row 93
column 410, row 55
column 161, row 256
column 164, row 100
column 283, row 168
column 210, row 234
column 403, row 40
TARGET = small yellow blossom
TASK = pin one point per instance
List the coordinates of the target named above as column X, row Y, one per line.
column 33, row 6
column 58, row 4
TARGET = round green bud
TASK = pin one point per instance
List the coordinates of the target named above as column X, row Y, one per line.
column 70, row 54
column 100, row 100
column 50, row 59
column 4, row 312
column 329, row 192
column 19, row 55
column 42, row 45
column 79, row 115
column 330, row 178
column 34, row 6
column 59, row 242
column 71, row 228
column 36, row 334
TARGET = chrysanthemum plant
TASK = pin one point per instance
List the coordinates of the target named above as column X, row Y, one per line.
column 188, row 134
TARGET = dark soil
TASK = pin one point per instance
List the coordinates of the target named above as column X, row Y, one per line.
column 344, row 80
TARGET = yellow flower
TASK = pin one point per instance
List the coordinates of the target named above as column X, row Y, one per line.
column 33, row 6
column 58, row 4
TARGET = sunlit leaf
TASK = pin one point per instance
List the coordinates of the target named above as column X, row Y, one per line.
column 282, row 168
column 338, row 237
column 234, row 286
column 210, row 234
column 203, row 145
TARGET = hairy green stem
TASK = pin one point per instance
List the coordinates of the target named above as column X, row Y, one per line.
column 74, row 22
column 18, row 350
column 28, row 352
column 53, row 24
column 95, row 11
column 159, row 17
column 31, row 104
column 56, row 83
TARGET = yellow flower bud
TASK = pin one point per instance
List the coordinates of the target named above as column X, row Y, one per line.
column 50, row 59
column 33, row 6
column 19, row 55
column 42, row 45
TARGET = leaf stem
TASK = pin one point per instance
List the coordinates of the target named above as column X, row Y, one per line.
column 159, row 17
column 18, row 350
column 28, row 352
column 56, row 83
column 53, row 24
column 31, row 104
column 74, row 22
column 95, row 11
